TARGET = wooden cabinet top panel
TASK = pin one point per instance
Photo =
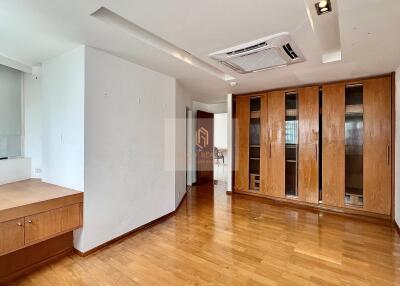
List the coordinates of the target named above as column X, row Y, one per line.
column 33, row 196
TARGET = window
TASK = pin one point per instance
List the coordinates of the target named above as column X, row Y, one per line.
column 10, row 112
column 291, row 130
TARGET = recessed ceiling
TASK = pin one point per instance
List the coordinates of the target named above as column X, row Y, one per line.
column 34, row 31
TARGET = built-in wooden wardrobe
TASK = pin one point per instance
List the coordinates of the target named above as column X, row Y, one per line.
column 326, row 145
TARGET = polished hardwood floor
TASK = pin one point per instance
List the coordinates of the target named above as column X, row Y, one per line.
column 217, row 239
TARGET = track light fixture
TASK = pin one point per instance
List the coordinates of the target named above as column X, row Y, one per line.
column 323, row 6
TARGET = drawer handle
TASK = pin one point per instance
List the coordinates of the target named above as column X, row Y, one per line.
column 19, row 224
column 29, row 221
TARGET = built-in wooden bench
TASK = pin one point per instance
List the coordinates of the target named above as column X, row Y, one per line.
column 36, row 224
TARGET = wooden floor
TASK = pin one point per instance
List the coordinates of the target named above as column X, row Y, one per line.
column 216, row 239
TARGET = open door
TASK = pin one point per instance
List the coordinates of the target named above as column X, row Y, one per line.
column 204, row 147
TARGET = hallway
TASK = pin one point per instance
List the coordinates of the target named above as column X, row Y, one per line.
column 218, row 239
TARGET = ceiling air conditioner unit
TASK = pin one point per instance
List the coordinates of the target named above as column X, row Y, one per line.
column 270, row 52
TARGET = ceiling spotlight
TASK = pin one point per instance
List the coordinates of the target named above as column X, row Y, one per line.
column 233, row 83
column 323, row 6
column 322, row 3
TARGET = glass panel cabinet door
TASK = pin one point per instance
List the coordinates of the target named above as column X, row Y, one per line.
column 354, row 130
column 254, row 148
column 291, row 144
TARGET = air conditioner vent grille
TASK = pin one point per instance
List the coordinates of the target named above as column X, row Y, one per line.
column 288, row 49
column 254, row 47
column 269, row 52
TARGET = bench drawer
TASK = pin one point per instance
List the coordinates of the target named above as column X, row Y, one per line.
column 47, row 224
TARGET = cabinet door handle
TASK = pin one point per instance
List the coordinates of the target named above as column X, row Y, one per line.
column 29, row 221
column 270, row 150
column 388, row 154
column 19, row 224
column 316, row 152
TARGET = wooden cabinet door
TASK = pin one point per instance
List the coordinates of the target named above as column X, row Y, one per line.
column 264, row 145
column 71, row 217
column 47, row 224
column 308, row 99
column 276, row 152
column 333, row 152
column 377, row 145
column 11, row 235
column 242, row 125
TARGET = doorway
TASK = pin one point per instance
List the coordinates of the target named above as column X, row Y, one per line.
column 221, row 148
column 204, row 147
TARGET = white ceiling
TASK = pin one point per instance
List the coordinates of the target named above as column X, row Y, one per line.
column 34, row 31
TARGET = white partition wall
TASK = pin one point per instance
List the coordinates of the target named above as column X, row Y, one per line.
column 112, row 129
column 127, row 183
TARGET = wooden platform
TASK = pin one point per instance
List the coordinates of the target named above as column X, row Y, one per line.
column 32, row 196
column 36, row 224
column 218, row 239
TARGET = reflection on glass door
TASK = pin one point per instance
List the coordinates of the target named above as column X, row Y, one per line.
column 354, row 128
column 291, row 146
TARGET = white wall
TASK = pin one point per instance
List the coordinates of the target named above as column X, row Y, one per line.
column 33, row 122
column 13, row 170
column 63, row 120
column 183, row 102
column 221, row 130
column 127, row 184
column 397, row 149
